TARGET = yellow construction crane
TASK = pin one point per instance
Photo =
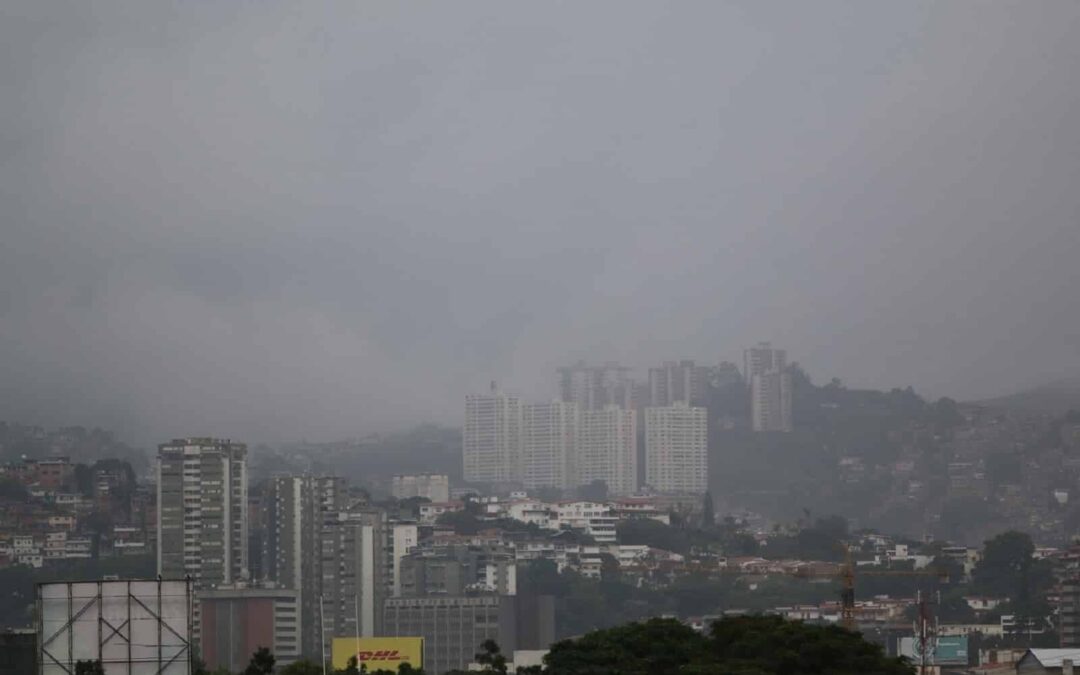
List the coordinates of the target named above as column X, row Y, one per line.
column 846, row 575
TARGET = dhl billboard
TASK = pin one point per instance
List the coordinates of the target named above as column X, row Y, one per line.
column 384, row 653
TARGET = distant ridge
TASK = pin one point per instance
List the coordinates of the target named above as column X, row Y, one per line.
column 1054, row 398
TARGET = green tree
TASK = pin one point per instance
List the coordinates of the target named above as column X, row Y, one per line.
column 1005, row 565
column 636, row 531
column 262, row 662
column 752, row 645
column 655, row 646
column 708, row 514
column 491, row 658
column 301, row 667
column 352, row 667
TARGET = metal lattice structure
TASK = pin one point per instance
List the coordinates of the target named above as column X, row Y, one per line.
column 133, row 627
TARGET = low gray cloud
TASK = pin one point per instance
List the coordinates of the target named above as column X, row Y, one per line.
column 281, row 221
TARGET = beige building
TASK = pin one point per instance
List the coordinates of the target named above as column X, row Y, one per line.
column 202, row 519
column 676, row 381
column 767, row 374
column 491, row 444
column 607, row 449
column 676, row 449
column 548, row 444
column 431, row 486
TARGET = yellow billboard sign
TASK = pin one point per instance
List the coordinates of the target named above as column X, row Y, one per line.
column 384, row 653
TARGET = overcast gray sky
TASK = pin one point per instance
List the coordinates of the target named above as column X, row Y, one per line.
column 315, row 220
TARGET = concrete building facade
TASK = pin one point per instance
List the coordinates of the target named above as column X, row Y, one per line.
column 434, row 487
column 548, row 444
column 202, row 520
column 454, row 627
column 300, row 511
column 595, row 387
column 770, row 384
column 607, row 449
column 237, row 621
column 677, row 449
column 677, row 382
column 491, row 443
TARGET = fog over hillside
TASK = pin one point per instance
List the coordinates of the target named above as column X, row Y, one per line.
column 277, row 221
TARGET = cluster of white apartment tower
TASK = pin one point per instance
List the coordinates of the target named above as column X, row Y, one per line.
column 591, row 433
column 564, row 444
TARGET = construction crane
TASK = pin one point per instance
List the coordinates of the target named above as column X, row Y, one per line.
column 846, row 575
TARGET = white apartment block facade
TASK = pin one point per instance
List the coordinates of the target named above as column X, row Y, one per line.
column 676, row 449
column 491, row 443
column 202, row 519
column 595, row 387
column 607, row 449
column 677, row 381
column 548, row 444
column 431, row 486
column 770, row 388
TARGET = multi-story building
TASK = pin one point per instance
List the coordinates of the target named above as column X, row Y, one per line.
column 1069, row 598
column 54, row 473
column 595, row 387
column 770, row 388
column 548, row 449
column 354, row 575
column 402, row 538
column 299, row 511
column 202, row 523
column 458, row 569
column 763, row 359
column 598, row 520
column 607, row 449
column 238, row 620
column 455, row 627
column 676, row 449
column 677, row 381
column 491, row 444
column 430, row 486
column 361, row 567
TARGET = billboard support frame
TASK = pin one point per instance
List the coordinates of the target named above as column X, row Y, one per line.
column 184, row 648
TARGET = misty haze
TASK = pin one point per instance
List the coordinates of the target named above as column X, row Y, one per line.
column 557, row 315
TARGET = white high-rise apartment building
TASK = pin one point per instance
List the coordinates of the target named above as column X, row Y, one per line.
column 202, row 520
column 607, row 449
column 595, row 387
column 677, row 381
column 548, row 444
column 676, row 449
column 770, row 388
column 763, row 359
column 491, row 446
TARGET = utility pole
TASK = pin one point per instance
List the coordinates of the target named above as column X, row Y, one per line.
column 925, row 636
column 322, row 633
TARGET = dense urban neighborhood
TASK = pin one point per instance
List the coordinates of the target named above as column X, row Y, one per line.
column 885, row 514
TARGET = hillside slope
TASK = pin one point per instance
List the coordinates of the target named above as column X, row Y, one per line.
column 1054, row 398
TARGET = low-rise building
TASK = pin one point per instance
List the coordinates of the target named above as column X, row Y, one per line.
column 433, row 487
column 236, row 621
